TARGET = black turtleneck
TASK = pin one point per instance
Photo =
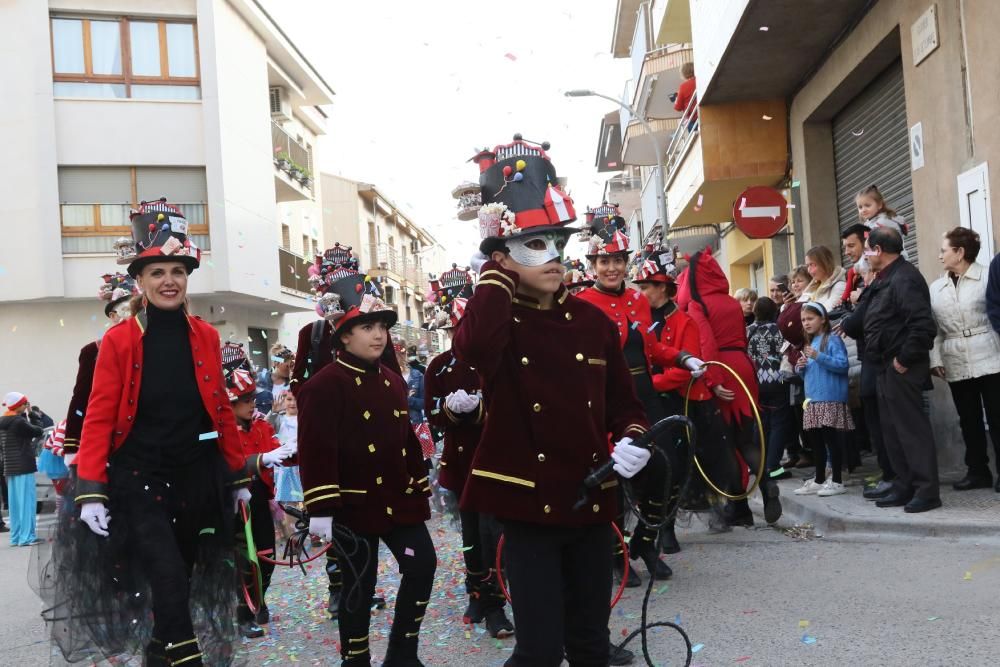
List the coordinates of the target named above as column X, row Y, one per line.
column 170, row 414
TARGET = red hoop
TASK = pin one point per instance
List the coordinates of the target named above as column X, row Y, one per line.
column 621, row 586
column 252, row 603
column 290, row 563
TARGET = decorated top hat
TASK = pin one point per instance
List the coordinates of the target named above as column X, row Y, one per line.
column 576, row 276
column 116, row 288
column 159, row 233
column 520, row 193
column 450, row 293
column 469, row 198
column 355, row 298
column 658, row 267
column 238, row 372
column 334, row 264
column 606, row 231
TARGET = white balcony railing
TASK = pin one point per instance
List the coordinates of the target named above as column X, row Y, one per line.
column 648, row 201
column 683, row 137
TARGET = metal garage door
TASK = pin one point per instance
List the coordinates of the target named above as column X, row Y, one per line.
column 871, row 146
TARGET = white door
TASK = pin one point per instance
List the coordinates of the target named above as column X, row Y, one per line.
column 974, row 207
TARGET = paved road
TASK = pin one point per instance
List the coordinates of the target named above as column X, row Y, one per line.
column 749, row 597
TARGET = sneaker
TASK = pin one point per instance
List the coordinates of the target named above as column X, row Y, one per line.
column 809, row 488
column 832, row 488
column 251, row 630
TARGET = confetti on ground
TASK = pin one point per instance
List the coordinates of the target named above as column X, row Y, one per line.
column 967, row 577
column 800, row 532
column 806, row 639
column 742, row 658
column 933, row 618
column 803, row 624
column 697, row 647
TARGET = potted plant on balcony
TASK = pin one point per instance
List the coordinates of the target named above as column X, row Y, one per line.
column 295, row 172
column 284, row 161
column 306, row 178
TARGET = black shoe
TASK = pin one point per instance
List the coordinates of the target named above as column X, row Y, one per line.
column 737, row 513
column 5, row 529
column 497, row 624
column 633, row 580
column 879, row 491
column 922, row 505
column 263, row 615
column 970, row 482
column 656, row 567
column 378, row 602
column 154, row 655
column 251, row 630
column 670, row 543
column 333, row 605
column 620, row 655
column 894, row 499
column 474, row 612
column 696, row 503
column 997, row 486
column 772, row 506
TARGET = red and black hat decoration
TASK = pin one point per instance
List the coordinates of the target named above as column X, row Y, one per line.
column 658, row 266
column 115, row 289
column 470, row 199
column 334, row 264
column 238, row 372
column 520, row 192
column 159, row 233
column 357, row 298
column 576, row 277
column 449, row 294
column 606, row 231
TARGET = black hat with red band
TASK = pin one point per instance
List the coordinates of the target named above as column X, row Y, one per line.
column 658, row 267
column 159, row 233
column 520, row 194
column 359, row 299
column 240, row 384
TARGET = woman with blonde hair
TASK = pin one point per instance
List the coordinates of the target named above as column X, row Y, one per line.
column 828, row 279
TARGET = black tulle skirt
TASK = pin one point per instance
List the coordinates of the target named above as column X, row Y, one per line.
column 96, row 590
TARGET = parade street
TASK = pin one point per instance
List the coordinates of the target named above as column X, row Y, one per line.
column 759, row 596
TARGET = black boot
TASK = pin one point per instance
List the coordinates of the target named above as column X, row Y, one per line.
column 737, row 513
column 668, row 539
column 974, row 481
column 184, row 653
column 378, row 602
column 402, row 654
column 772, row 505
column 154, row 654
column 333, row 604
column 263, row 615
column 497, row 623
column 619, row 655
column 633, row 579
column 336, row 584
column 473, row 586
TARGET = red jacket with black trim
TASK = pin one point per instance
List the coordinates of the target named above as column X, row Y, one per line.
column 115, row 395
column 555, row 384
column 81, row 394
column 359, row 458
column 445, row 375
column 678, row 331
column 256, row 440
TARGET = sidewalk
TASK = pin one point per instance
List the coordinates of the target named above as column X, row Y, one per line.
column 973, row 515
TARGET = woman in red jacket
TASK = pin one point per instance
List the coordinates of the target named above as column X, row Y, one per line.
column 629, row 310
column 159, row 470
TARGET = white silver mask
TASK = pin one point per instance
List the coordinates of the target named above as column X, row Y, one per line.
column 537, row 249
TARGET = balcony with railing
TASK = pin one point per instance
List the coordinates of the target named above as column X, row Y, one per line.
column 386, row 260
column 293, row 178
column 658, row 80
column 293, row 269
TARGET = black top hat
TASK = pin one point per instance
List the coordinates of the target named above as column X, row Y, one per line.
column 159, row 233
column 606, row 231
column 359, row 299
column 521, row 193
column 116, row 288
column 657, row 267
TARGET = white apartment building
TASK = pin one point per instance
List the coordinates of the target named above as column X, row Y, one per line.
column 205, row 102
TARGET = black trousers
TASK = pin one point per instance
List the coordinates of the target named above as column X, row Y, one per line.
column 874, row 423
column 560, row 581
column 480, row 534
column 833, row 441
column 971, row 397
column 262, row 529
column 906, row 430
column 413, row 550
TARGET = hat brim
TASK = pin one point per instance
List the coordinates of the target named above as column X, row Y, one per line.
column 497, row 243
column 355, row 316
column 658, row 278
column 111, row 305
column 136, row 266
column 625, row 253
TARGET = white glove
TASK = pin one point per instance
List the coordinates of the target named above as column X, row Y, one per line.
column 273, row 458
column 477, row 261
column 238, row 495
column 695, row 365
column 628, row 458
column 69, row 458
column 95, row 515
column 321, row 527
column 461, row 402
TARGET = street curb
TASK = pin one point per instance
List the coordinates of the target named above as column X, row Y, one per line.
column 844, row 517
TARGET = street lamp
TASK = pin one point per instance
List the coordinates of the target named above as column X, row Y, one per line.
column 661, row 195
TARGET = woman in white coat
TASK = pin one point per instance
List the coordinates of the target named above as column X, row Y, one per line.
column 967, row 352
column 828, row 279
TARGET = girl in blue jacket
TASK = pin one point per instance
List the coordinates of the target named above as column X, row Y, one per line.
column 823, row 367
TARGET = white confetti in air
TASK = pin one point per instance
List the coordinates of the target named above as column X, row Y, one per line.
column 764, row 28
column 766, row 117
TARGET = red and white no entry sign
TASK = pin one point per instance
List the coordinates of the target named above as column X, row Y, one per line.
column 760, row 212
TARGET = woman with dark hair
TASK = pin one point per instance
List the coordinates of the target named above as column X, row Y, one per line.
column 967, row 352
column 159, row 454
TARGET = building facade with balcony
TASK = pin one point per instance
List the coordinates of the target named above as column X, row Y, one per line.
column 389, row 245
column 823, row 99
column 205, row 102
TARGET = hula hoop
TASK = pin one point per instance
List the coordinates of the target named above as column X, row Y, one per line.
column 760, row 430
column 621, row 586
column 253, row 603
column 295, row 545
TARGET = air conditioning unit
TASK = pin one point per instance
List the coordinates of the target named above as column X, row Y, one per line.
column 281, row 107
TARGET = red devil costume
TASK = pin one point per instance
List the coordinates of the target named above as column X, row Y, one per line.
column 160, row 454
column 704, row 295
column 361, row 463
column 555, row 385
column 453, row 405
